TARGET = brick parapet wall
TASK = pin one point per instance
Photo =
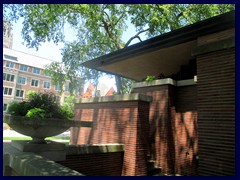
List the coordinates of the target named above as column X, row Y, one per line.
column 116, row 122
column 173, row 128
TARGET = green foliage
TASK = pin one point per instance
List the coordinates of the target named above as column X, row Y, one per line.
column 36, row 113
column 99, row 28
column 150, row 78
column 19, row 108
column 42, row 105
column 31, row 94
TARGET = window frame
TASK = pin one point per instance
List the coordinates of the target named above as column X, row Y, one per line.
column 8, row 91
column 57, row 89
column 11, row 75
column 5, row 109
column 9, row 62
column 33, row 70
column 21, row 65
column 49, row 83
column 22, row 93
column 24, row 80
column 34, row 83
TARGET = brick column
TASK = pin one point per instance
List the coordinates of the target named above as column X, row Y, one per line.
column 116, row 119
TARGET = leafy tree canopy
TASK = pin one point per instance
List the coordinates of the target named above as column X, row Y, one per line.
column 99, row 28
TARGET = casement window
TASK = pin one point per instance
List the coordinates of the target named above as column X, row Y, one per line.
column 19, row 93
column 7, row 91
column 9, row 64
column 57, row 88
column 46, row 85
column 36, row 70
column 21, row 80
column 5, row 106
column 23, row 68
column 8, row 77
column 34, row 82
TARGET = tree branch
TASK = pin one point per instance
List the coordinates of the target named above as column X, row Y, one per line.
column 118, row 20
column 135, row 36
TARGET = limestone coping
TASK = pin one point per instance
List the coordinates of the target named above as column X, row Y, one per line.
column 31, row 164
column 116, row 98
column 166, row 81
column 94, row 148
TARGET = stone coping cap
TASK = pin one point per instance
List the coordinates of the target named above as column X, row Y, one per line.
column 117, row 98
column 31, row 164
column 166, row 81
column 94, row 148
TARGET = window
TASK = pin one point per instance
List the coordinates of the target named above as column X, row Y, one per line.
column 34, row 82
column 57, row 88
column 8, row 77
column 19, row 93
column 7, row 91
column 9, row 64
column 36, row 70
column 46, row 85
column 5, row 106
column 21, row 80
column 23, row 68
column 10, row 57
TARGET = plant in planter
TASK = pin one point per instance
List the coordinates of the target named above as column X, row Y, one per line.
column 40, row 117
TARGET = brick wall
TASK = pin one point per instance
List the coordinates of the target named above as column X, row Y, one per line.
column 216, row 109
column 96, row 164
column 173, row 128
column 186, row 130
column 116, row 122
column 158, row 122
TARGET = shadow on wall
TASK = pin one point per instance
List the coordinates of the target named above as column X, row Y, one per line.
column 116, row 122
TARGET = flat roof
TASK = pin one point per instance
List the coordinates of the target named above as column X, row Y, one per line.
column 161, row 54
column 26, row 59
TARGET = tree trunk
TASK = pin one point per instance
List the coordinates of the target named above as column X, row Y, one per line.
column 119, row 84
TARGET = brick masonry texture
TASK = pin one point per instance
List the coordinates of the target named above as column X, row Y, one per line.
column 173, row 128
column 116, row 122
column 216, row 108
column 97, row 164
column 181, row 124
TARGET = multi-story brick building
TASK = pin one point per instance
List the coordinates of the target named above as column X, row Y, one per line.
column 23, row 72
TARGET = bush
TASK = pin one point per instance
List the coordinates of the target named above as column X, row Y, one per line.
column 41, row 105
column 36, row 113
column 19, row 108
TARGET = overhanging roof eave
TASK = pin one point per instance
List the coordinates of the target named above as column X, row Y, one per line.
column 178, row 36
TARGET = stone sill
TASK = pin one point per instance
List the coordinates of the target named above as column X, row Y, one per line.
column 31, row 164
column 116, row 98
column 167, row 81
column 94, row 148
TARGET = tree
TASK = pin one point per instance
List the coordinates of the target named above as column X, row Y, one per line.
column 99, row 27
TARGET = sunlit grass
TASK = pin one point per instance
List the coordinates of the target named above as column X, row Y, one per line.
column 64, row 140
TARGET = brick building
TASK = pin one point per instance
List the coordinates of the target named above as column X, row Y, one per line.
column 23, row 72
column 188, row 127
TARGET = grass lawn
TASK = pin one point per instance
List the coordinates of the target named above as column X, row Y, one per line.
column 63, row 139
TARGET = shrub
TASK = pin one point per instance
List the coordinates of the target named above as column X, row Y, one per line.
column 41, row 105
column 36, row 113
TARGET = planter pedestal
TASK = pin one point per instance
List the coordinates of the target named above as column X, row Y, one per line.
column 54, row 151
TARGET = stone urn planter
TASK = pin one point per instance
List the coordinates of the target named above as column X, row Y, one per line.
column 39, row 128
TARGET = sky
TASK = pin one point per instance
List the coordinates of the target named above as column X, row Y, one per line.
column 51, row 51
